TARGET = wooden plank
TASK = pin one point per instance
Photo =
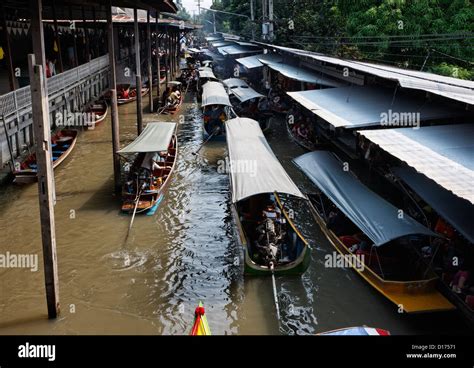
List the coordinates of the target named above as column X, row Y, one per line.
column 42, row 133
column 113, row 101
column 150, row 73
column 138, row 83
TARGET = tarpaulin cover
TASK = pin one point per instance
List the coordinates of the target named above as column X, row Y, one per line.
column 377, row 218
column 154, row 138
column 254, row 167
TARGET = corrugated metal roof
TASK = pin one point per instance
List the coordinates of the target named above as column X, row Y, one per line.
column 444, row 153
column 234, row 82
column 236, row 50
column 253, row 61
column 240, row 89
column 363, row 106
column 300, row 74
column 452, row 88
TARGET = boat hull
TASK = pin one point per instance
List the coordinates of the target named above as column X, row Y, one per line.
column 410, row 296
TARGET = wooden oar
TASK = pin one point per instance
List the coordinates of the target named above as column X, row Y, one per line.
column 217, row 130
column 275, row 293
column 137, row 200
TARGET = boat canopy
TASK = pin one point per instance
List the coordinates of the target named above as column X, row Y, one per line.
column 195, row 51
column 214, row 93
column 254, row 168
column 221, row 43
column 251, row 62
column 300, row 74
column 444, row 153
column 365, row 106
column 377, row 218
column 457, row 211
column 234, row 83
column 206, row 72
column 240, row 89
column 155, row 137
column 236, row 50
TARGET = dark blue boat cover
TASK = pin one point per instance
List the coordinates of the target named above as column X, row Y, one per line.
column 376, row 217
column 455, row 210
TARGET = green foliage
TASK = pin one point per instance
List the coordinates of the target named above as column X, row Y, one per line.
column 415, row 34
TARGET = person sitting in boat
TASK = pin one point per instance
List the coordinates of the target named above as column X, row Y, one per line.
column 303, row 131
column 165, row 96
column 215, row 117
column 174, row 98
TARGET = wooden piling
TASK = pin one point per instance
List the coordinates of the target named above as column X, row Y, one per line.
column 167, row 59
column 138, row 74
column 56, row 37
column 41, row 126
column 158, row 60
column 150, row 74
column 113, row 101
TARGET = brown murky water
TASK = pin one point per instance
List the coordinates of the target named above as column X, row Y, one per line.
column 151, row 283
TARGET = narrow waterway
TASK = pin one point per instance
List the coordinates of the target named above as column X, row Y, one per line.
column 151, row 282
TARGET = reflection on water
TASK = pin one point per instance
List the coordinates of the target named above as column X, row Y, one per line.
column 150, row 282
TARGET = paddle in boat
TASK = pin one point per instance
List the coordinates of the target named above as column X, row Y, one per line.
column 373, row 237
column 247, row 102
column 265, row 224
column 356, row 331
column 216, row 109
column 173, row 98
column 62, row 143
column 96, row 113
column 126, row 93
column 200, row 325
column 149, row 163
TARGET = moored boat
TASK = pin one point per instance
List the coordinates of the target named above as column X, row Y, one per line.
column 150, row 162
column 200, row 324
column 265, row 226
column 62, row 144
column 217, row 109
column 375, row 239
column 127, row 93
column 97, row 113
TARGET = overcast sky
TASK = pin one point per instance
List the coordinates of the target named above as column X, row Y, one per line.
column 191, row 5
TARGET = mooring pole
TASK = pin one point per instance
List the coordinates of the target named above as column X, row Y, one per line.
column 138, row 74
column 150, row 73
column 9, row 59
column 167, row 60
column 41, row 126
column 56, row 37
column 158, row 62
column 113, row 100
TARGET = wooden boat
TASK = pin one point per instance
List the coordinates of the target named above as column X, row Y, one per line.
column 97, row 113
column 356, row 331
column 144, row 186
column 217, row 109
column 265, row 229
column 305, row 143
column 167, row 109
column 127, row 94
column 390, row 264
column 200, row 324
column 62, row 144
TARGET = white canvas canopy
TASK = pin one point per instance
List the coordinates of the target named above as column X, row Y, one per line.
column 254, row 168
column 206, row 72
column 214, row 93
column 234, row 83
column 155, row 137
column 254, row 61
column 240, row 89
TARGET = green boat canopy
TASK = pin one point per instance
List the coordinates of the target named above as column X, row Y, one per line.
column 155, row 137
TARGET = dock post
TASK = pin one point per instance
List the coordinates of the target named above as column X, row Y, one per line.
column 56, row 37
column 41, row 126
column 150, row 74
column 167, row 60
column 74, row 41
column 158, row 61
column 138, row 73
column 113, row 100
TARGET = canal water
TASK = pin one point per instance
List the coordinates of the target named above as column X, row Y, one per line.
column 151, row 282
